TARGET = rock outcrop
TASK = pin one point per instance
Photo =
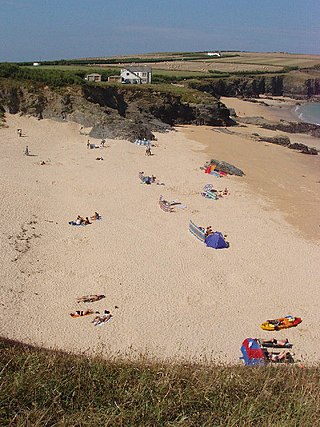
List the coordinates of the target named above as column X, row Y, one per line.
column 222, row 166
column 253, row 86
column 293, row 127
column 285, row 142
column 128, row 112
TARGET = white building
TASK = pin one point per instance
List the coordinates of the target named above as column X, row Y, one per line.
column 93, row 77
column 136, row 75
column 214, row 54
column 36, row 64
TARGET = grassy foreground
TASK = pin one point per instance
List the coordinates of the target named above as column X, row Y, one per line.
column 46, row 388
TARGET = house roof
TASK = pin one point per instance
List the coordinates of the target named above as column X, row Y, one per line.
column 136, row 69
column 93, row 74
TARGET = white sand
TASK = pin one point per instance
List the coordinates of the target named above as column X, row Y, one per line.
column 175, row 297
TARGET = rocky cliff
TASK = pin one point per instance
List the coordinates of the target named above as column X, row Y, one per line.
column 287, row 85
column 112, row 111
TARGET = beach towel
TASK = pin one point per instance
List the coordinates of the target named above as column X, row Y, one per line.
column 214, row 173
column 209, row 195
column 178, row 205
column 74, row 223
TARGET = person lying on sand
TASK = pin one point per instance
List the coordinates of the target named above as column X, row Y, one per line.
column 81, row 313
column 99, row 158
column 100, row 320
column 90, row 298
column 79, row 220
column 209, row 231
column 283, row 356
column 87, row 222
column 275, row 342
column 95, row 217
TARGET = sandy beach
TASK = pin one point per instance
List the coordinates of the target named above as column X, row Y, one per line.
column 171, row 297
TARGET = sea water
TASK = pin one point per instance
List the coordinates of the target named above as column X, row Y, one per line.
column 309, row 113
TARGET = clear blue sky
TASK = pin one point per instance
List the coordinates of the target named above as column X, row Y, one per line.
column 55, row 29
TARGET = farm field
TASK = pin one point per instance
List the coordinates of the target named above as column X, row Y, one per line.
column 192, row 64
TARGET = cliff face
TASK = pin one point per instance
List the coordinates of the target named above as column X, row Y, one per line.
column 255, row 86
column 112, row 111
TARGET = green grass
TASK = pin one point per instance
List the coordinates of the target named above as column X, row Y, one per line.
column 76, row 68
column 46, row 388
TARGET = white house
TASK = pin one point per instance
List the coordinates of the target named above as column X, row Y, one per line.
column 136, row 75
column 214, row 54
column 93, row 77
column 36, row 64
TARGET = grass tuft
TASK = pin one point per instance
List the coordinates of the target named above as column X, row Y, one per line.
column 41, row 387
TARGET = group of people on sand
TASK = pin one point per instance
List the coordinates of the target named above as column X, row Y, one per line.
column 85, row 221
column 102, row 144
column 147, row 179
column 283, row 356
column 101, row 318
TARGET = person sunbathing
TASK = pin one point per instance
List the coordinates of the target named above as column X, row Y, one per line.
column 209, row 231
column 95, row 217
column 87, row 222
column 283, row 356
column 90, row 298
column 79, row 220
column 99, row 320
column 276, row 342
column 81, row 313
column 225, row 192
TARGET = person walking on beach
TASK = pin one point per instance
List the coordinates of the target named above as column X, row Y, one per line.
column 26, row 151
column 19, row 132
column 88, row 143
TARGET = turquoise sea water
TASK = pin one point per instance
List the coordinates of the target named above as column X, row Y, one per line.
column 309, row 113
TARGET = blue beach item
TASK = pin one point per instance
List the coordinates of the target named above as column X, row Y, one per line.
column 216, row 241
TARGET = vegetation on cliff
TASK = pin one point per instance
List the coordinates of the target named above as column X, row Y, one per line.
column 40, row 387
